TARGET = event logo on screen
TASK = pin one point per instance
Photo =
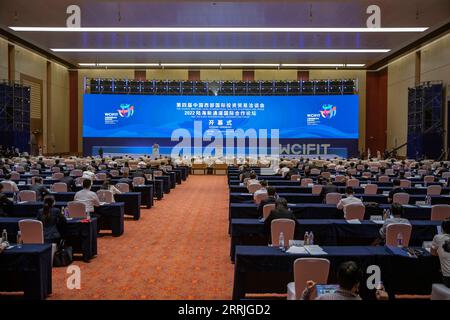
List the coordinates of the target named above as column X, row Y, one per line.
column 328, row 111
column 126, row 110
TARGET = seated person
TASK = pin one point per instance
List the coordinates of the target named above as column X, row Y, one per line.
column 108, row 186
column 253, row 179
column 281, row 211
column 394, row 190
column 292, row 171
column 39, row 188
column 3, row 201
column 52, row 220
column 349, row 276
column 349, row 199
column 263, row 189
column 272, row 197
column 69, row 181
column 8, row 180
column 89, row 174
column 397, row 213
column 89, row 198
column 125, row 179
column 328, row 187
column 441, row 248
column 284, row 169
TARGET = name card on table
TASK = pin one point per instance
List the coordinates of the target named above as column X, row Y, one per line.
column 353, row 221
column 21, row 183
column 377, row 219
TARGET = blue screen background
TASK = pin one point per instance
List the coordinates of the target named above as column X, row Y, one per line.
column 159, row 116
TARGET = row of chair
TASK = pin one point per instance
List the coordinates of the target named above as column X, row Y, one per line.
column 103, row 195
column 404, row 183
column 318, row 269
column 439, row 212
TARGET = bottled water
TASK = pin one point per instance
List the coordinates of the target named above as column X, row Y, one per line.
column 306, row 238
column 281, row 241
column 19, row 239
column 311, row 238
column 400, row 240
column 4, row 236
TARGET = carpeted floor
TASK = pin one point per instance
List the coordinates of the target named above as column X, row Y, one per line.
column 179, row 249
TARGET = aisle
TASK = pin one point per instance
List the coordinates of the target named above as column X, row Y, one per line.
column 178, row 250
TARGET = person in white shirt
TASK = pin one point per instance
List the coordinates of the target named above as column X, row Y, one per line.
column 89, row 198
column 253, row 179
column 441, row 247
column 284, row 169
column 263, row 189
column 13, row 185
column 88, row 175
column 350, row 199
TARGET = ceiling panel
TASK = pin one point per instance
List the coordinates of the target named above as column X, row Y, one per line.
column 344, row 13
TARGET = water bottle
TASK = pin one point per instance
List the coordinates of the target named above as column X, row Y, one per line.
column 4, row 236
column 385, row 214
column 281, row 241
column 88, row 216
column 15, row 197
column 28, row 181
column 306, row 238
column 400, row 240
column 19, row 239
column 311, row 238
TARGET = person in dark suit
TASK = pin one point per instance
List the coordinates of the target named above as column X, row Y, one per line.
column 328, row 187
column 53, row 221
column 126, row 179
column 395, row 189
column 39, row 188
column 281, row 211
column 3, row 201
column 69, row 181
column 59, row 165
column 272, row 197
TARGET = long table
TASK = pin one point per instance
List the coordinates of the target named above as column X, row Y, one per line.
column 264, row 269
column 328, row 211
column 312, row 198
column 27, row 269
column 80, row 234
column 341, row 189
column 327, row 232
column 147, row 192
column 110, row 216
column 131, row 200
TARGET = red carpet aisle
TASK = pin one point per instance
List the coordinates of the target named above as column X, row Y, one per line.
column 178, row 250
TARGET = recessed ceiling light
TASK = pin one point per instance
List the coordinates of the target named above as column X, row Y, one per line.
column 100, row 50
column 215, row 29
column 119, row 64
column 222, row 65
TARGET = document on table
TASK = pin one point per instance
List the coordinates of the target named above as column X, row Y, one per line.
column 297, row 250
column 354, row 221
column 315, row 250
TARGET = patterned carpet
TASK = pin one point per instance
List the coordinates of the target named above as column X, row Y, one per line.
column 179, row 249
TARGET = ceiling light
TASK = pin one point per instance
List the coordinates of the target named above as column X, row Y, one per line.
column 106, row 50
column 223, row 65
column 215, row 29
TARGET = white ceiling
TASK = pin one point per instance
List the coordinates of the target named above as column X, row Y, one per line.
column 233, row 13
